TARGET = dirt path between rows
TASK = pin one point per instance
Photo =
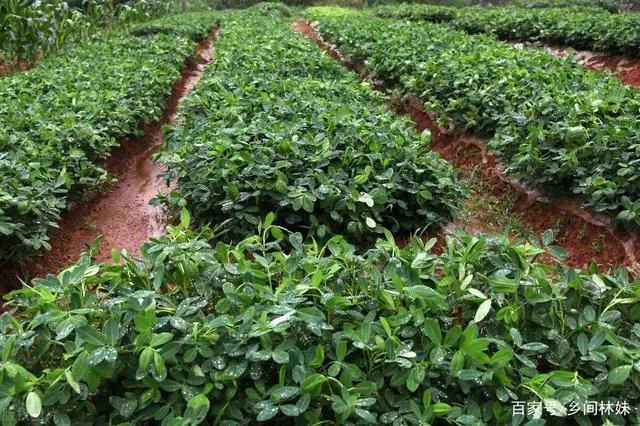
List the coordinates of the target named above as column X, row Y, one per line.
column 587, row 237
column 624, row 68
column 123, row 215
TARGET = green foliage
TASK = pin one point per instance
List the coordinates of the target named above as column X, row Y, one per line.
column 30, row 28
column 592, row 29
column 35, row 28
column 275, row 125
column 142, row 10
column 417, row 12
column 610, row 5
column 247, row 333
column 59, row 121
column 194, row 25
column 554, row 123
column 402, row 3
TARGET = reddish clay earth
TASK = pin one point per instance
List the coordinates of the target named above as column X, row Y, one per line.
column 6, row 69
column 123, row 215
column 587, row 237
column 626, row 69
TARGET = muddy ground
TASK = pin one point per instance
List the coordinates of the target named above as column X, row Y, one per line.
column 122, row 214
column 626, row 69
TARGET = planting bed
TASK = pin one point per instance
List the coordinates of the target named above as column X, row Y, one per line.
column 123, row 216
column 554, row 124
column 626, row 69
column 59, row 122
column 585, row 236
column 579, row 28
column 275, row 125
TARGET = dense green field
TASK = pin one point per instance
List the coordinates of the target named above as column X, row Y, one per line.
column 59, row 121
column 610, row 5
column 554, row 123
column 580, row 28
column 275, row 125
column 299, row 283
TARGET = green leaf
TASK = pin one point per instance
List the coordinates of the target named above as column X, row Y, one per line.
column 267, row 414
column 112, row 331
column 160, row 339
column 555, row 407
column 290, row 410
column 583, row 344
column 91, row 335
column 535, row 347
column 457, row 363
column 146, row 358
column 423, row 291
column 198, row 408
column 469, row 374
column 284, row 393
column 268, row 220
column 33, row 404
column 482, row 311
column 441, row 409
column 72, row 382
column 367, row 416
column 159, row 364
column 185, row 218
column 341, row 350
column 311, row 383
column 432, row 331
column 619, row 374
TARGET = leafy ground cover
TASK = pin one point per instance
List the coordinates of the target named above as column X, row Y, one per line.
column 610, row 5
column 591, row 29
column 194, row 25
column 58, row 122
column 275, row 125
column 554, row 123
column 246, row 333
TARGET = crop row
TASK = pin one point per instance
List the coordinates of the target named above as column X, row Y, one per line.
column 554, row 123
column 610, row 5
column 579, row 28
column 193, row 25
column 241, row 334
column 275, row 125
column 59, row 121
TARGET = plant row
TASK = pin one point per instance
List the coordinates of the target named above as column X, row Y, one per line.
column 579, row 28
column 276, row 125
column 249, row 333
column 193, row 25
column 554, row 123
column 59, row 121
column 610, row 5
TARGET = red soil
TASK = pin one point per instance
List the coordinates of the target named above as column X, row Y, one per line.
column 626, row 69
column 9, row 67
column 585, row 236
column 123, row 216
column 6, row 69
